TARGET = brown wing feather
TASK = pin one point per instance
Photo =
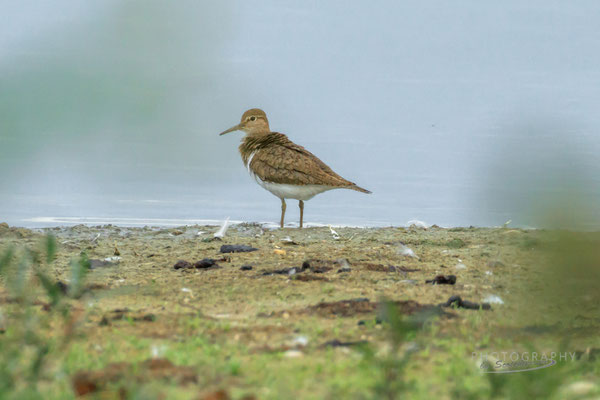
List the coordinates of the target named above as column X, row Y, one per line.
column 283, row 161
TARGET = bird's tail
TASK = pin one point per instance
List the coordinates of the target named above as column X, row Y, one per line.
column 359, row 189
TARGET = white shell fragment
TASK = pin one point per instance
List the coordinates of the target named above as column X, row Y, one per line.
column 334, row 234
column 223, row 229
column 406, row 251
column 493, row 299
column 415, row 223
column 300, row 341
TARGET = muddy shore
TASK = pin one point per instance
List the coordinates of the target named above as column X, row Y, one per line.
column 298, row 295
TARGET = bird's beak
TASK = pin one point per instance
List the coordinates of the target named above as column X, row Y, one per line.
column 232, row 129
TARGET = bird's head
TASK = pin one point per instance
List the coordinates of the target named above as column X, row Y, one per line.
column 253, row 121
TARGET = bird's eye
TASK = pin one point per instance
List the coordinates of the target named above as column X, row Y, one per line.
column 252, row 118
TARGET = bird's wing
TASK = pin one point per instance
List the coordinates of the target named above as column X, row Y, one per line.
column 288, row 163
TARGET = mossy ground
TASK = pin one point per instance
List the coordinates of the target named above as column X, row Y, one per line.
column 265, row 336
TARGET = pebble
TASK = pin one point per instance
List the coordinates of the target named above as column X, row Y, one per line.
column 458, row 302
column 182, row 264
column 460, row 266
column 288, row 241
column 237, row 248
column 442, row 280
column 339, row 343
column 246, row 267
column 205, row 263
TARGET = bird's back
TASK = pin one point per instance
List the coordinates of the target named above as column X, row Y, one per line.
column 274, row 158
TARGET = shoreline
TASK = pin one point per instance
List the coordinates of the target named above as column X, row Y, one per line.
column 127, row 222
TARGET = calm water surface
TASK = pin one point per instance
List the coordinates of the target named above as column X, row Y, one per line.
column 469, row 114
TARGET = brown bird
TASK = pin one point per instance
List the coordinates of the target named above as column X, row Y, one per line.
column 287, row 170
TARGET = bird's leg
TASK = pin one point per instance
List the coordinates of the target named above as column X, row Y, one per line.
column 301, row 205
column 282, row 210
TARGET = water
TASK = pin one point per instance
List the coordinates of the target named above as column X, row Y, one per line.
column 454, row 114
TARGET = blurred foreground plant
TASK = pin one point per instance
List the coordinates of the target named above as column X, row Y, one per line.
column 393, row 360
column 27, row 352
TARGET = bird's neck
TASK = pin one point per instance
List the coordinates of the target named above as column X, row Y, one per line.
column 257, row 141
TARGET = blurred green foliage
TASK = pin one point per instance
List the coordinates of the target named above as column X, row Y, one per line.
column 30, row 354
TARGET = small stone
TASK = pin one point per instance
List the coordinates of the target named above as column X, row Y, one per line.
column 288, row 241
column 182, row 264
column 339, row 343
column 205, row 263
column 237, row 248
column 246, row 268
column 284, row 271
column 442, row 280
column 280, row 252
column 344, row 269
column 460, row 266
column 458, row 302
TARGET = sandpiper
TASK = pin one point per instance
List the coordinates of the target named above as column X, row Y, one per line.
column 287, row 170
